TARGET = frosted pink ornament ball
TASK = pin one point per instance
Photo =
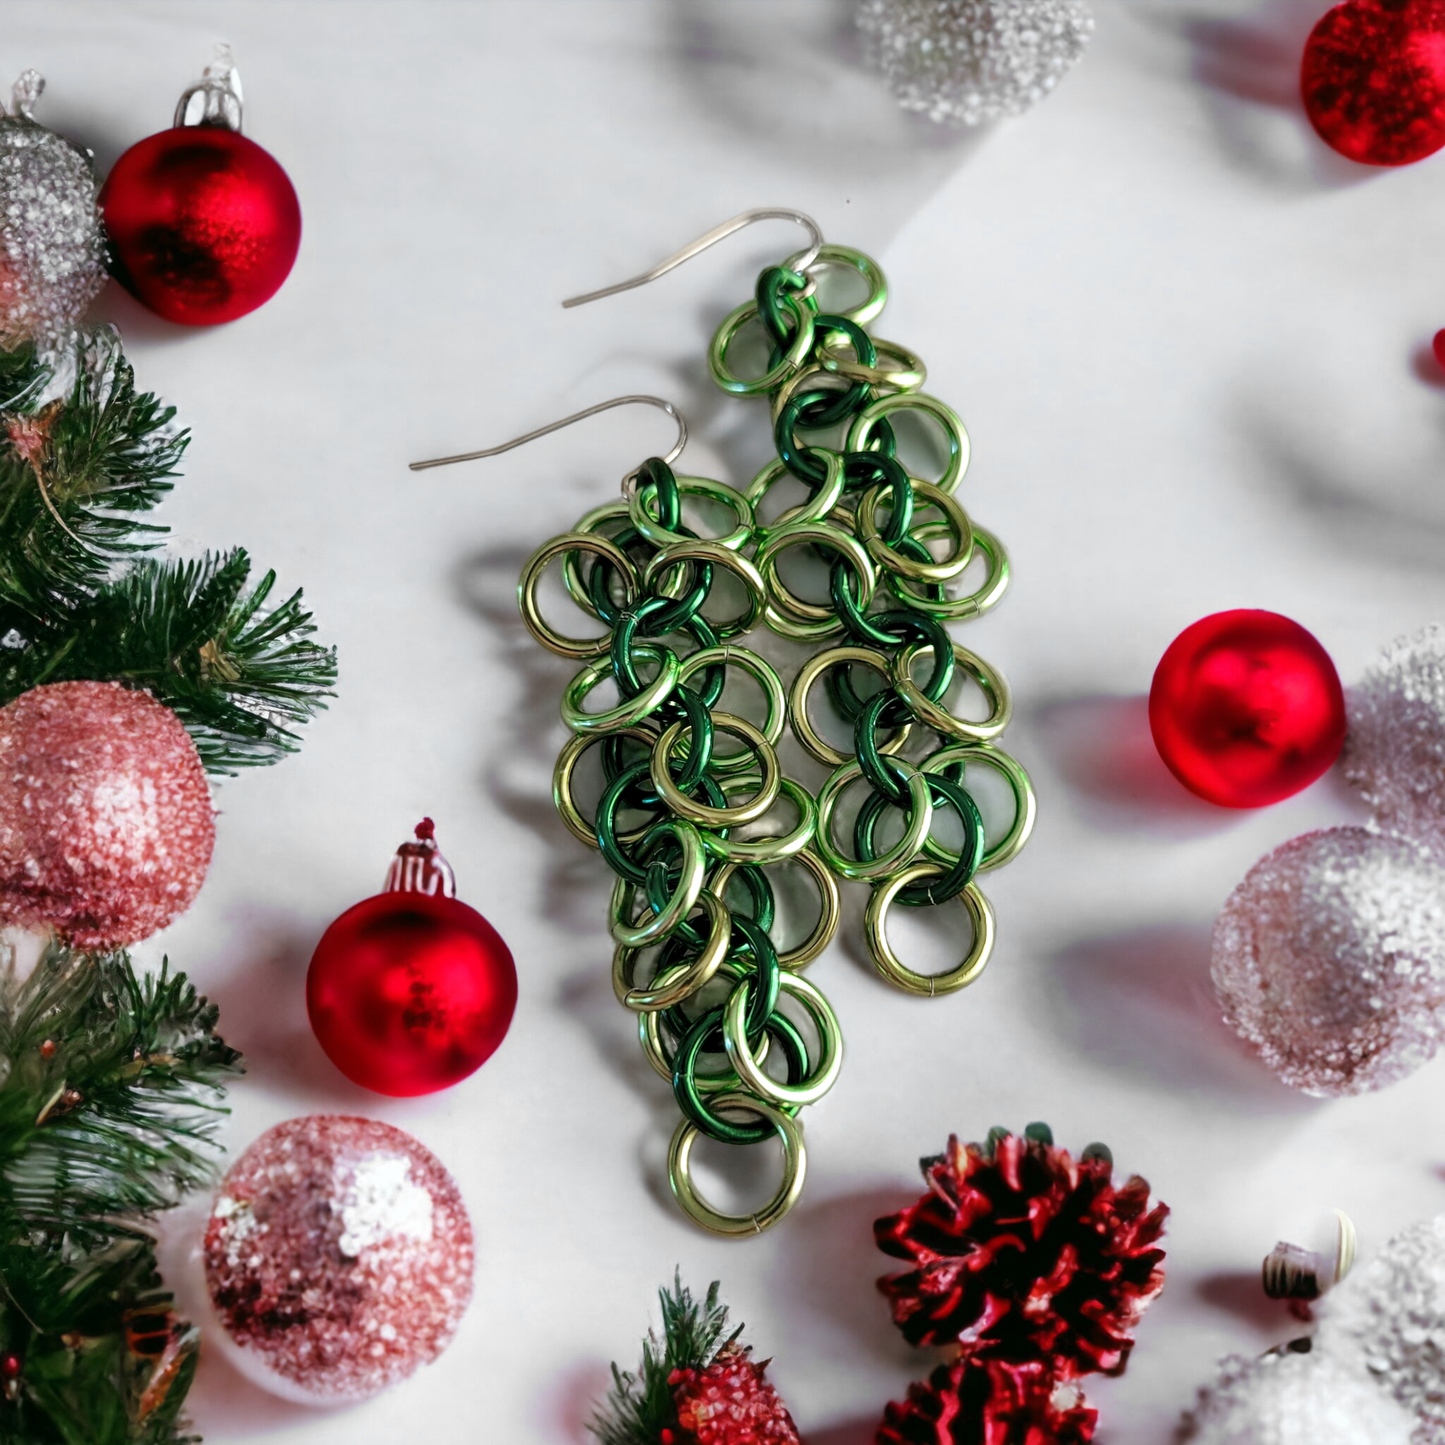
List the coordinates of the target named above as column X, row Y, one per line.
column 106, row 822
column 338, row 1258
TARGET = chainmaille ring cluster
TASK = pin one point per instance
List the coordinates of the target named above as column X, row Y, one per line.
column 692, row 896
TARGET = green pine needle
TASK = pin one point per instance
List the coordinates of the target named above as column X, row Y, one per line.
column 117, row 1117
column 640, row 1406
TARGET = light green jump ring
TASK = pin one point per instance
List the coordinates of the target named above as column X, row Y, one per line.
column 902, row 853
column 631, row 710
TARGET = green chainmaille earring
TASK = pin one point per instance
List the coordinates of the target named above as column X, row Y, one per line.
column 692, row 895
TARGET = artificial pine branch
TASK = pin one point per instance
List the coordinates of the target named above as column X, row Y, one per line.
column 193, row 635
column 640, row 1407
column 110, row 1092
column 113, row 1084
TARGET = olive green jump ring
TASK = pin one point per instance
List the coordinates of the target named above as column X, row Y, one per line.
column 958, row 609
column 1008, row 847
column 815, row 509
column 722, row 339
column 808, row 675
column 887, row 962
column 649, row 1032
column 830, row 1043
column 830, row 908
column 902, row 853
column 908, row 375
column 683, row 980
column 791, row 616
column 954, row 434
column 762, row 672
column 629, row 711
column 566, row 768
column 691, row 875
column 774, row 847
column 718, row 555
column 537, row 625
column 934, row 715
column 735, row 501
column 955, row 519
column 703, row 813
column 795, row 1168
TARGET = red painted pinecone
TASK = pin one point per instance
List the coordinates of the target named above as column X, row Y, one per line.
column 986, row 1402
column 728, row 1403
column 1021, row 1252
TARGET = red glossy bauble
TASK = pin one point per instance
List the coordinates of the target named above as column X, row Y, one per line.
column 411, row 991
column 204, row 224
column 1373, row 80
column 1246, row 708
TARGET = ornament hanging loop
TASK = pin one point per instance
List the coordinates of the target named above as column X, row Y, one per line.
column 216, row 98
column 800, row 262
column 628, row 482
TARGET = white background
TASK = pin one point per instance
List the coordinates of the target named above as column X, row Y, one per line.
column 1186, row 340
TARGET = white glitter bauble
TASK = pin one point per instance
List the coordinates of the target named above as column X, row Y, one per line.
column 1330, row 959
column 1294, row 1399
column 970, row 61
column 1389, row 1314
column 1395, row 748
column 52, row 252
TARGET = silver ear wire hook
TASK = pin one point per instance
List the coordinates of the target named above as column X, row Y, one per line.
column 800, row 262
column 657, row 401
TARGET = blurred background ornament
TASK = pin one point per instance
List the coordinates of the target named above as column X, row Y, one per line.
column 1301, row 1275
column 52, row 250
column 1246, row 708
column 1330, row 960
column 1394, row 752
column 204, row 224
column 1292, row 1396
column 971, row 61
column 338, row 1257
column 1373, row 80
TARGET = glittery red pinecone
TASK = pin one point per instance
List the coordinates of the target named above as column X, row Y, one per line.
column 1021, row 1252
column 728, row 1403
column 987, row 1402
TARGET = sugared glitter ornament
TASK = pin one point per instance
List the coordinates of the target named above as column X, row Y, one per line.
column 971, row 61
column 1330, row 960
column 410, row 991
column 1395, row 750
column 1373, row 80
column 204, row 224
column 729, row 1402
column 338, row 1257
column 1246, row 708
column 1389, row 1317
column 52, row 252
column 1292, row 1398
column 106, row 823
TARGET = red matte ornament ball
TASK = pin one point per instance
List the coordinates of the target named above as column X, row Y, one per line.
column 1437, row 345
column 1246, row 708
column 411, row 991
column 1373, row 80
column 204, row 224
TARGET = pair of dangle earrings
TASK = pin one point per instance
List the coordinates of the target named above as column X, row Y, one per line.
column 694, row 833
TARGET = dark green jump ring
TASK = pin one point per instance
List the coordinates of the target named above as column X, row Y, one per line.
column 690, row 1100
column 774, row 282
column 970, row 855
column 760, row 893
column 883, row 710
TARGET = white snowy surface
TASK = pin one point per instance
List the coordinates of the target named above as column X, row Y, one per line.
column 1186, row 340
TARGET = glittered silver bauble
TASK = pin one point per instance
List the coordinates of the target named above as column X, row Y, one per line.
column 1389, row 1316
column 970, row 61
column 52, row 255
column 1330, row 959
column 1295, row 1399
column 1395, row 747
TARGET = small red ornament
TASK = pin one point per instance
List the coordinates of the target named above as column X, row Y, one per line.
column 411, row 991
column 1437, row 345
column 338, row 1257
column 10, row 1366
column 1246, row 708
column 204, row 224
column 106, row 823
column 1373, row 80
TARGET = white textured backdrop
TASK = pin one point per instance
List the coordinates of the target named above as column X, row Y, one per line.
column 1185, row 339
